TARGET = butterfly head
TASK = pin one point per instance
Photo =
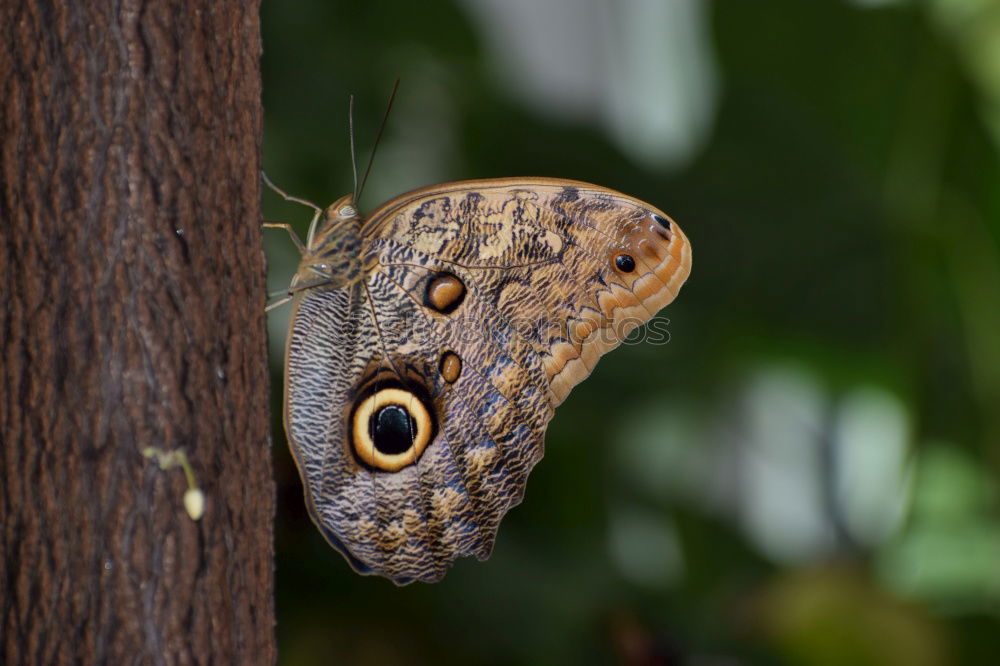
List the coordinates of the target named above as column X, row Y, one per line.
column 340, row 217
column 333, row 246
column 340, row 212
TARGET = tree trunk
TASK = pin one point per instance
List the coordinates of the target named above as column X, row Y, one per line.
column 132, row 316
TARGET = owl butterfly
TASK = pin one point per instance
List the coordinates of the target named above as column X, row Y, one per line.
column 432, row 339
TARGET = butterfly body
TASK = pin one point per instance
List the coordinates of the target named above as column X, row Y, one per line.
column 432, row 340
column 332, row 256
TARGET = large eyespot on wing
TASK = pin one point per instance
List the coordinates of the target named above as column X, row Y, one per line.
column 397, row 523
column 395, row 492
column 420, row 520
column 389, row 427
column 475, row 466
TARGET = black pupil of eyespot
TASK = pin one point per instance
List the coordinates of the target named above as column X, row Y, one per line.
column 662, row 221
column 392, row 430
column 625, row 263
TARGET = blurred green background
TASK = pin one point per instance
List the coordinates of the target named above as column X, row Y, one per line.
column 807, row 473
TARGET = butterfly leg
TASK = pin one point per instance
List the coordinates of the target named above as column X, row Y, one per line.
column 278, row 302
column 291, row 232
column 302, row 250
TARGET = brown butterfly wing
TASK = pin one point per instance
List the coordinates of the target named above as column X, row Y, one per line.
column 540, row 253
column 484, row 302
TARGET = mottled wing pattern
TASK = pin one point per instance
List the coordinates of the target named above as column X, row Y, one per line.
column 484, row 302
column 329, row 344
column 540, row 254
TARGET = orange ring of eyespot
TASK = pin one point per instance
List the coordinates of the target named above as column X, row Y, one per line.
column 364, row 447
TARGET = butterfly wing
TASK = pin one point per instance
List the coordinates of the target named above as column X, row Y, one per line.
column 418, row 397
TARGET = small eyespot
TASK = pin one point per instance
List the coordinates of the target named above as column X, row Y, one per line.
column 444, row 293
column 450, row 366
column 662, row 221
column 625, row 263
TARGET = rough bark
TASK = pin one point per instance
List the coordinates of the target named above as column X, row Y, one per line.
column 132, row 316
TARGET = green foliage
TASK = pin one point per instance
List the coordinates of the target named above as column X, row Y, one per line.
column 807, row 473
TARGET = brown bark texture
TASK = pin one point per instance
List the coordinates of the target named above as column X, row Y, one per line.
column 131, row 316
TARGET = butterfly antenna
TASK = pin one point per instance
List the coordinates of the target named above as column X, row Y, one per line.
column 350, row 132
column 378, row 137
